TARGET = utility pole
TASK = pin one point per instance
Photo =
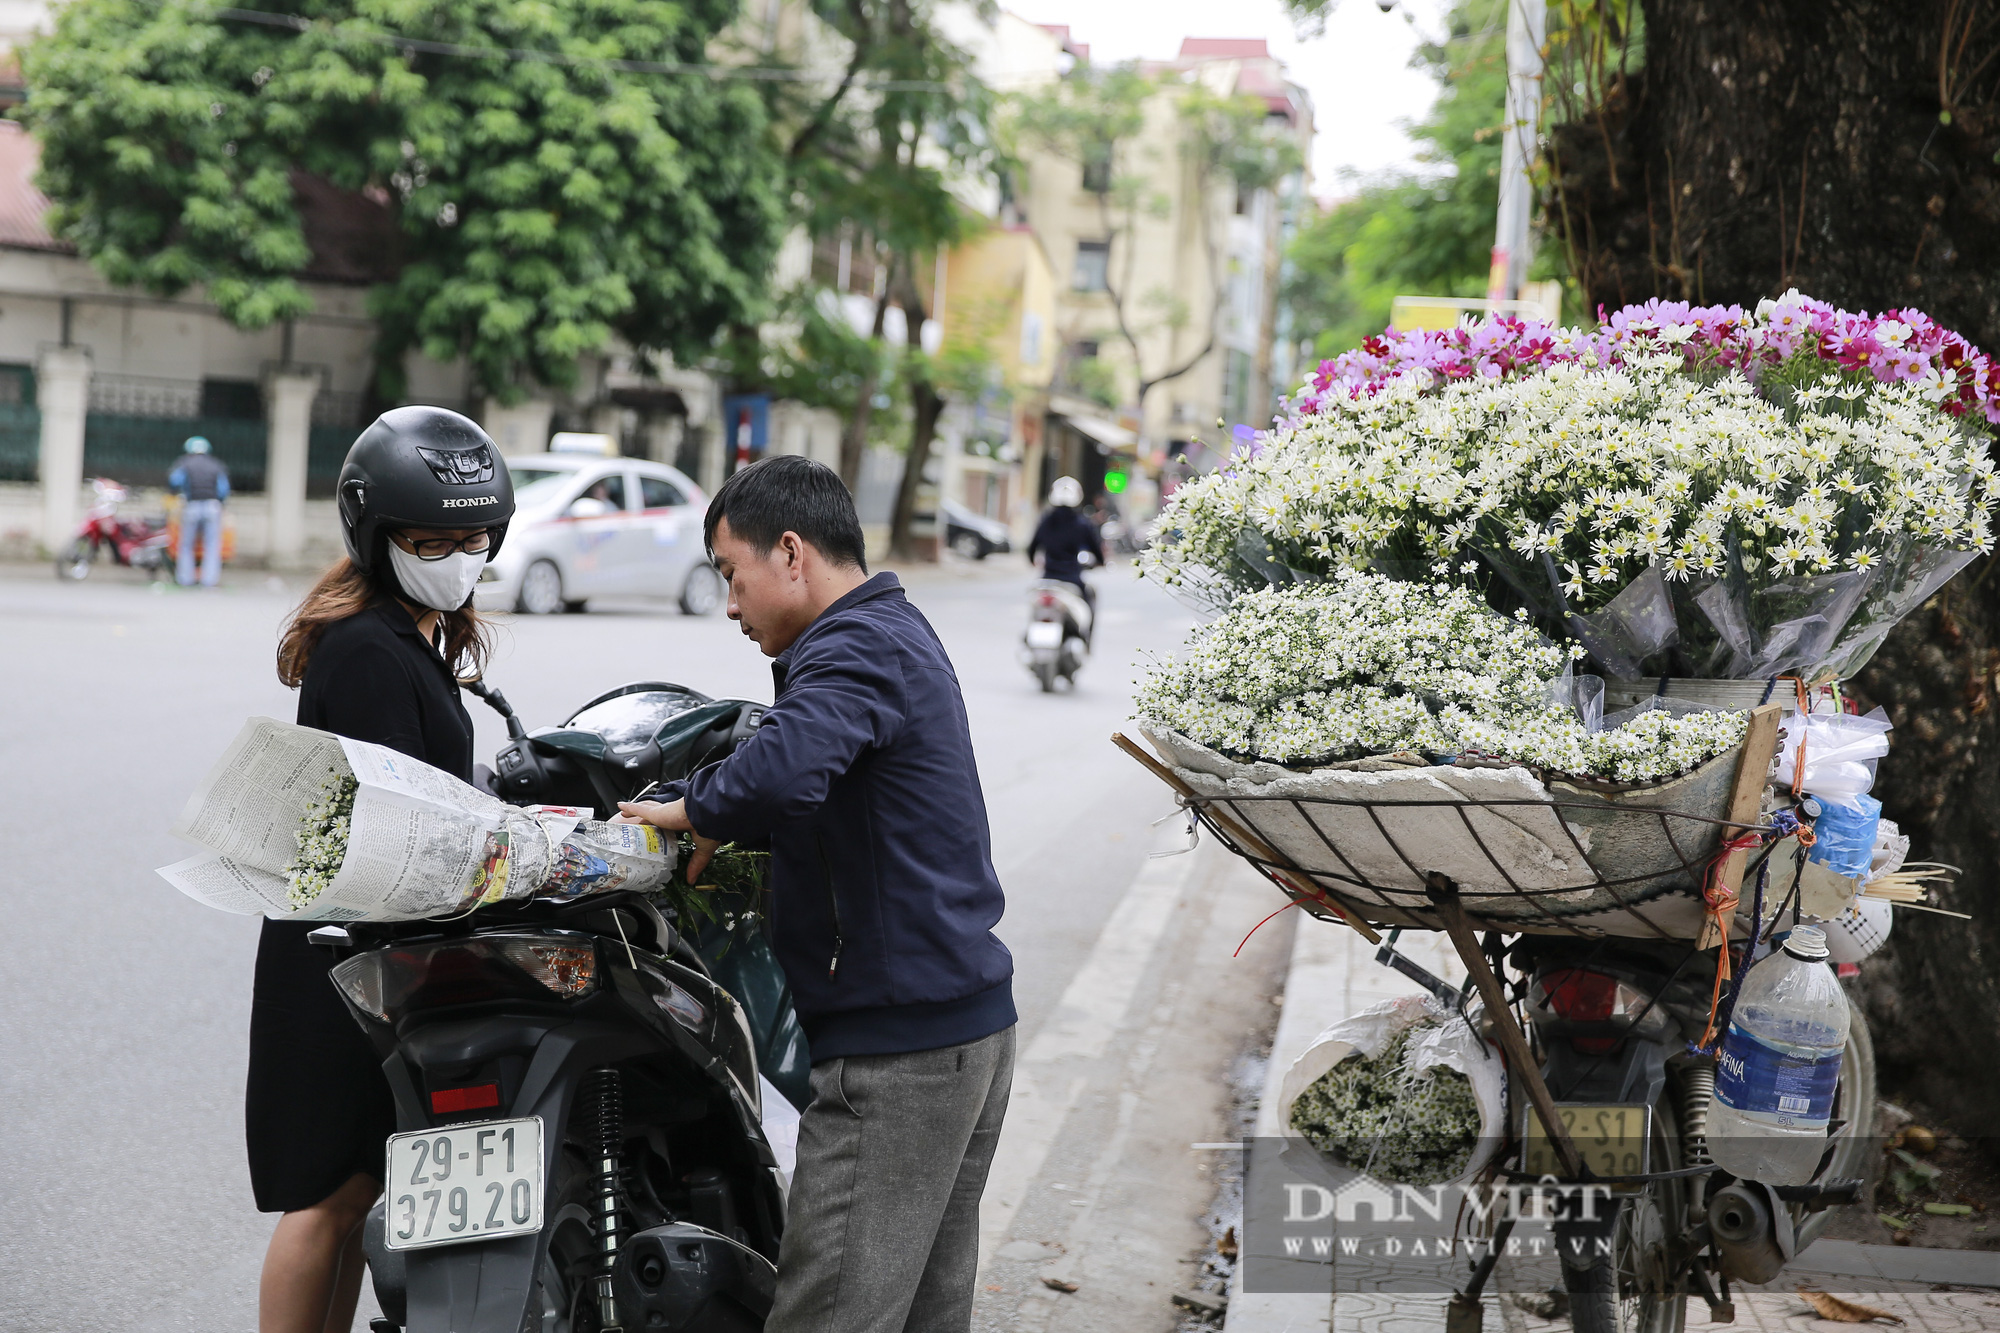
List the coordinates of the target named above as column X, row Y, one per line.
column 1513, row 245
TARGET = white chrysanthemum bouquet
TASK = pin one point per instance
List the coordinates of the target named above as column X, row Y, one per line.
column 306, row 825
column 1694, row 492
column 1365, row 665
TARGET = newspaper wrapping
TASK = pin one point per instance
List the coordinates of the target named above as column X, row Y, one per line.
column 420, row 843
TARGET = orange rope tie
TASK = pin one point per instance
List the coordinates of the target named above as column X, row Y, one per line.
column 1721, row 903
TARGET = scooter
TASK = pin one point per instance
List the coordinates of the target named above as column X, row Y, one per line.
column 132, row 542
column 1057, row 639
column 579, row 1096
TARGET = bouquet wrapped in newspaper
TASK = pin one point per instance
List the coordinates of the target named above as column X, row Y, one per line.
column 1684, row 491
column 305, row 825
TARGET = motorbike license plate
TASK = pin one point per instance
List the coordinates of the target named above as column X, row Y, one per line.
column 1045, row 634
column 1612, row 1137
column 469, row 1182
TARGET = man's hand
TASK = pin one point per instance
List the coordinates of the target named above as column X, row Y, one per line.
column 671, row 816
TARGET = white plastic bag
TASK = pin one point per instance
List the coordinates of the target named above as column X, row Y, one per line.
column 781, row 1128
column 1840, row 753
column 1859, row 931
column 1451, row 1044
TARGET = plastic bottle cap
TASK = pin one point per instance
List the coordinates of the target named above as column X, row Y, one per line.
column 1807, row 942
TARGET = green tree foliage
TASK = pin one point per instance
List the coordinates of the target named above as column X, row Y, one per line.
column 546, row 200
column 1422, row 233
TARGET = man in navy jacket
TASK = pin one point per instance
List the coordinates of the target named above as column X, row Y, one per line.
column 884, row 902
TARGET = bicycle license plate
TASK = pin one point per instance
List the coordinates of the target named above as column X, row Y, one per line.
column 1612, row 1138
column 468, row 1182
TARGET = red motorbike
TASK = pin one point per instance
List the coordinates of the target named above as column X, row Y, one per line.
column 137, row 543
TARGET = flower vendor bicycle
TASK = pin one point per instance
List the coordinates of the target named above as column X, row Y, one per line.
column 1502, row 613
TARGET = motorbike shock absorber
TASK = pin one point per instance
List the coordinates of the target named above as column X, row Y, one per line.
column 1697, row 1092
column 604, row 1102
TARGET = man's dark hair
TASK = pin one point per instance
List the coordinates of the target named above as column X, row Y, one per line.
column 789, row 494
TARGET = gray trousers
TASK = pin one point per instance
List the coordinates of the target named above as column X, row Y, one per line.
column 882, row 1231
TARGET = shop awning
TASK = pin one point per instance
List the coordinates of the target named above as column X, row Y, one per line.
column 1105, row 432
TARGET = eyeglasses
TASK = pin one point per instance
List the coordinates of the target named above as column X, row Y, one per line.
column 437, row 548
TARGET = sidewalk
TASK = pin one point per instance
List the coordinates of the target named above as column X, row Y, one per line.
column 1333, row 974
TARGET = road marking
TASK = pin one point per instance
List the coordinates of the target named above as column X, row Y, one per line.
column 1079, row 1032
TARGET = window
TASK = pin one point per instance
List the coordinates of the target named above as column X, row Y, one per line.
column 655, row 493
column 610, row 489
column 17, row 383
column 1093, row 266
column 1097, row 174
column 238, row 400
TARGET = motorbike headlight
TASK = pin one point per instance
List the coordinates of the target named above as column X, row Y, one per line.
column 388, row 983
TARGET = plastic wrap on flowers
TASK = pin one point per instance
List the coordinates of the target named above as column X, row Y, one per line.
column 1403, row 1091
column 1687, row 492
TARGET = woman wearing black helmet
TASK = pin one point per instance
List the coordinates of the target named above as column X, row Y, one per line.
column 377, row 650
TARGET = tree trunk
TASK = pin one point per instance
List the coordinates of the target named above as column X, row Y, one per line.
column 926, row 406
column 1847, row 148
column 854, row 434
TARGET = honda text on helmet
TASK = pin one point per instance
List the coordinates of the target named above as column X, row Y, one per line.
column 425, row 469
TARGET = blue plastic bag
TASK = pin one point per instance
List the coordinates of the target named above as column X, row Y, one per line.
column 1846, row 836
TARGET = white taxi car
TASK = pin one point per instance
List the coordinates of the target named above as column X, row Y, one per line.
column 588, row 526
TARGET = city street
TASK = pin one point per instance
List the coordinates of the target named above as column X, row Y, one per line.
column 129, row 1207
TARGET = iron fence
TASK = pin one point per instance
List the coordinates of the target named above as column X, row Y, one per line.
column 20, row 441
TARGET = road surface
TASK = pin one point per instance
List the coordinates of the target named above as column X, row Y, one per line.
column 127, row 1204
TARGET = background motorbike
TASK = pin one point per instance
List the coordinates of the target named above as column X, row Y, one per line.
column 1057, row 639
column 129, row 541
column 607, row 1033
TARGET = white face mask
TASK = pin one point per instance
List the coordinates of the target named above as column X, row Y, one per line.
column 442, row 585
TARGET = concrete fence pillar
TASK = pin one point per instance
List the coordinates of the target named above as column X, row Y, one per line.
column 288, row 400
column 62, row 390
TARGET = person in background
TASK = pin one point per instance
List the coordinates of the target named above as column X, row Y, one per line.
column 202, row 482
column 1064, row 534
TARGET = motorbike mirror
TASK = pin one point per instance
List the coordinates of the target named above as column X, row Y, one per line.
column 497, row 701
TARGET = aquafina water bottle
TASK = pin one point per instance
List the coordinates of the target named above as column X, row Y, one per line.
column 1779, row 1063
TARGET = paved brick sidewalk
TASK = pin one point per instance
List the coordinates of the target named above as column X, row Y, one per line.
column 1922, row 1311
column 1333, row 974
column 1768, row 1311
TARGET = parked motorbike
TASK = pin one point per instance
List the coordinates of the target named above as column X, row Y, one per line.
column 1615, row 1020
column 134, row 542
column 1613, row 1023
column 1057, row 639
column 579, row 1094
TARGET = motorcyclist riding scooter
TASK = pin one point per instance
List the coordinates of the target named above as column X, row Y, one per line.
column 1062, row 608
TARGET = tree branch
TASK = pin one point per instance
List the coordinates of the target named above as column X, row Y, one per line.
column 864, row 49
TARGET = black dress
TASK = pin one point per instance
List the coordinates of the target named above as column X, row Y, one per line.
column 318, row 1107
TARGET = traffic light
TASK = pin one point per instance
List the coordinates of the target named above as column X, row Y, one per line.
column 1115, row 481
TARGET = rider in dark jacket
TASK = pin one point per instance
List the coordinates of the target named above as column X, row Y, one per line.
column 1064, row 534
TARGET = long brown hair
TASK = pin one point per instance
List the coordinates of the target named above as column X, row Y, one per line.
column 345, row 591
